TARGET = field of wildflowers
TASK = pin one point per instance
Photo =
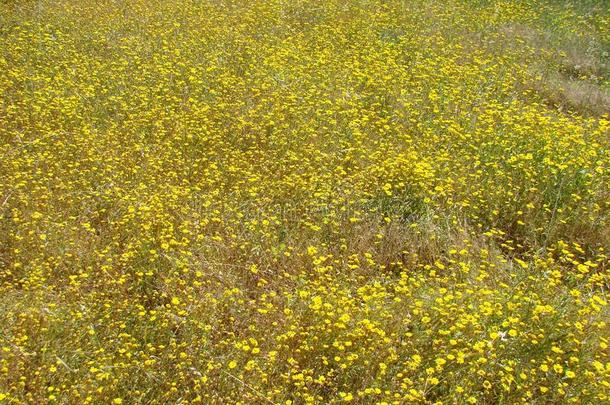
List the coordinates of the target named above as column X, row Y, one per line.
column 304, row 201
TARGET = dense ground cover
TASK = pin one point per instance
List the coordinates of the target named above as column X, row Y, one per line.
column 294, row 201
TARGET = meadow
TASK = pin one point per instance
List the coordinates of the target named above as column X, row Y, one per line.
column 304, row 202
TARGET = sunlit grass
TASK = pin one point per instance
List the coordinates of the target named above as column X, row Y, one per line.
column 376, row 202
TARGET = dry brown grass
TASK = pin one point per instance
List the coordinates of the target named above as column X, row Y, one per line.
column 566, row 74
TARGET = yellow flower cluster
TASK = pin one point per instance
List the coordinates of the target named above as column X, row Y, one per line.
column 301, row 201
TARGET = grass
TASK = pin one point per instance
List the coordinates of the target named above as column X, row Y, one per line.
column 304, row 202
